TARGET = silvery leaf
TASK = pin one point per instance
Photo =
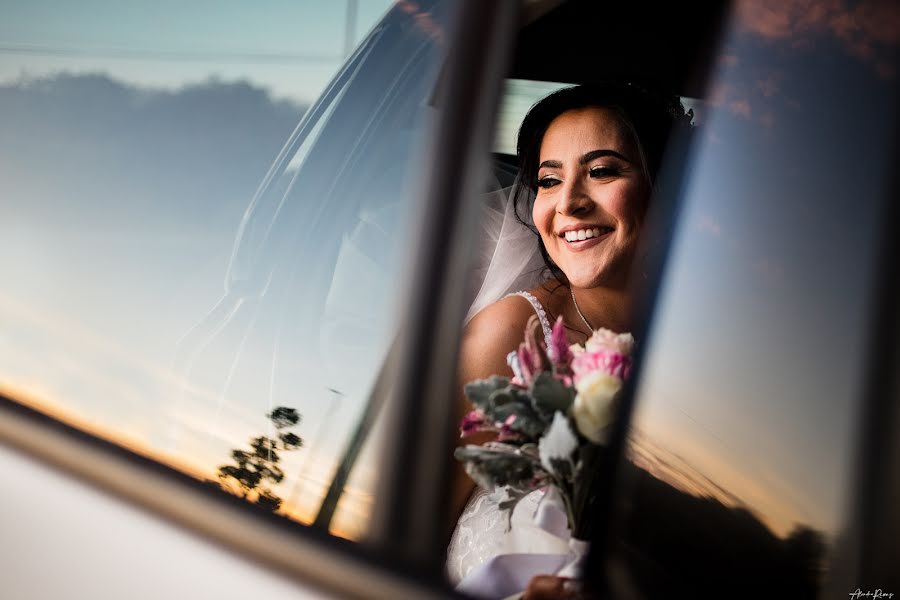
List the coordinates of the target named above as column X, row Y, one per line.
column 551, row 395
column 479, row 391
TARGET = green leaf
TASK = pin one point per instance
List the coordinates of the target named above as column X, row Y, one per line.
column 502, row 397
column 529, row 425
column 283, row 416
column 267, row 500
column 550, row 395
column 240, row 457
column 498, row 467
column 479, row 392
column 518, row 403
column 290, row 441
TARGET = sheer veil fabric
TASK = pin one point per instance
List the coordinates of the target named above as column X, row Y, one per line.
column 507, row 258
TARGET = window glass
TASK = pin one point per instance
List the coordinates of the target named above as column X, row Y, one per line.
column 184, row 275
column 519, row 95
column 747, row 408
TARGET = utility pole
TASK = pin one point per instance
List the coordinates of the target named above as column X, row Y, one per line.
column 350, row 27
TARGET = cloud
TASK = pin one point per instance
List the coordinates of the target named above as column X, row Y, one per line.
column 740, row 108
column 90, row 150
column 868, row 30
column 769, row 19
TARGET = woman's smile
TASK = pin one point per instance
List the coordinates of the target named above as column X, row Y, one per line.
column 585, row 236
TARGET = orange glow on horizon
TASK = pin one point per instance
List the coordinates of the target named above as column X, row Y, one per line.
column 717, row 482
column 32, row 397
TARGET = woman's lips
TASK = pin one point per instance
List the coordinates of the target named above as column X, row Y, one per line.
column 585, row 244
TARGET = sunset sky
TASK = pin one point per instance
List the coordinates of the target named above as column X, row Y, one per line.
column 100, row 296
column 135, row 136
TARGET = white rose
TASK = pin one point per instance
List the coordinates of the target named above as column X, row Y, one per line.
column 593, row 404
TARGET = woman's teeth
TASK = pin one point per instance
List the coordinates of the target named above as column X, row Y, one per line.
column 583, row 234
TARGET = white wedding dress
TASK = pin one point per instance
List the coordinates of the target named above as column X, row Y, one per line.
column 484, row 532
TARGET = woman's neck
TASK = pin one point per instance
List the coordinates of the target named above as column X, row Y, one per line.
column 602, row 307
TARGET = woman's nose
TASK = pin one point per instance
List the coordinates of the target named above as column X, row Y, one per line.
column 574, row 199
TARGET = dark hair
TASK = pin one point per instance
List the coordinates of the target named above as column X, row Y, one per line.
column 649, row 117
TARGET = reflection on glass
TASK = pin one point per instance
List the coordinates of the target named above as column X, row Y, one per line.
column 519, row 95
column 747, row 408
column 155, row 293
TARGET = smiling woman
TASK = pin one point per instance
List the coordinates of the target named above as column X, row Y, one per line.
column 588, row 157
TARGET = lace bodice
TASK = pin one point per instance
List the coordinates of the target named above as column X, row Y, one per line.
column 484, row 531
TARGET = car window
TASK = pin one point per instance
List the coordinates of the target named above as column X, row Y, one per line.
column 749, row 401
column 206, row 221
column 519, row 95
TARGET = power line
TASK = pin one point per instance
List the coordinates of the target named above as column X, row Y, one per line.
column 169, row 55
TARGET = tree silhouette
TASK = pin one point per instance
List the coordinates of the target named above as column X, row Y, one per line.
column 253, row 469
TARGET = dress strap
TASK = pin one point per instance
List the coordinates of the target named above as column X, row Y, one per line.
column 541, row 313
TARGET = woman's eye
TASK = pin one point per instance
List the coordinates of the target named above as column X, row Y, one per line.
column 547, row 182
column 598, row 172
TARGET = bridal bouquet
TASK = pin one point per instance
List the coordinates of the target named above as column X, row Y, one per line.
column 551, row 419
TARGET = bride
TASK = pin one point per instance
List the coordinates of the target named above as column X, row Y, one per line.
column 588, row 160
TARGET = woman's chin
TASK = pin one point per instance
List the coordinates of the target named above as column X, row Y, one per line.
column 603, row 278
column 584, row 281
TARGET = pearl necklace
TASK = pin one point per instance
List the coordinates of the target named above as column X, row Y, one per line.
column 580, row 314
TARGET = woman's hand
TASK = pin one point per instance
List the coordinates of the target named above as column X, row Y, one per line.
column 551, row 587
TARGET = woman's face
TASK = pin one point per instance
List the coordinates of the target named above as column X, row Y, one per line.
column 591, row 198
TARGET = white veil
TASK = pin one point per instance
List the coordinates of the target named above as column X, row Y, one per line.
column 507, row 258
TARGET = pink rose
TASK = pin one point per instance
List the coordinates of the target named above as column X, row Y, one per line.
column 605, row 352
column 604, row 339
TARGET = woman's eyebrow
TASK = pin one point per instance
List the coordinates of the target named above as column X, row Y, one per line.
column 593, row 154
column 586, row 158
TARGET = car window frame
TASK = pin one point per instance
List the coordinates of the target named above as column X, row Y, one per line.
column 411, row 524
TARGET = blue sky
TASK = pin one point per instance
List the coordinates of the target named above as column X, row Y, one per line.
column 758, row 354
column 291, row 47
column 135, row 135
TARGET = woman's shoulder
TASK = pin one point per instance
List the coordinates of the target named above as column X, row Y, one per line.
column 490, row 335
column 515, row 309
column 505, row 317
